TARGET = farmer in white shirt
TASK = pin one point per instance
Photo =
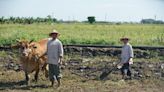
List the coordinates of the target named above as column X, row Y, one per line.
column 126, row 58
column 54, row 54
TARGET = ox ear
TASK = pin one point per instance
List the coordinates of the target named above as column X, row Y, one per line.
column 31, row 41
column 18, row 40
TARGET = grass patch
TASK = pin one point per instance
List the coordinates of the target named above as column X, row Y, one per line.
column 3, row 54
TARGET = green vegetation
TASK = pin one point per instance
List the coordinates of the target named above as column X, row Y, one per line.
column 80, row 33
column 27, row 20
column 91, row 19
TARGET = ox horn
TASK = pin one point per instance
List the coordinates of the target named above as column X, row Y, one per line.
column 31, row 41
column 18, row 40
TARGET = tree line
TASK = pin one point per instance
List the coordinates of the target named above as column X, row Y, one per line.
column 49, row 19
column 27, row 20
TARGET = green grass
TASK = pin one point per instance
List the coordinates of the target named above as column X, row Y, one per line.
column 104, row 34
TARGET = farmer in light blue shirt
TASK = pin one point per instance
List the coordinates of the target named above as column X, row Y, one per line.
column 126, row 58
column 54, row 54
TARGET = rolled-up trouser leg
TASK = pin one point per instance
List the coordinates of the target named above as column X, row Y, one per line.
column 126, row 69
column 54, row 72
column 129, row 71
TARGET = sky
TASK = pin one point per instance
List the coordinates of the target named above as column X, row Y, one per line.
column 103, row 10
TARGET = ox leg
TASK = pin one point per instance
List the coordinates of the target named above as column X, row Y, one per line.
column 36, row 75
column 46, row 73
column 27, row 78
column 44, row 68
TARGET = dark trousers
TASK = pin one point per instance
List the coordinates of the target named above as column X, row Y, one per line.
column 126, row 66
column 54, row 70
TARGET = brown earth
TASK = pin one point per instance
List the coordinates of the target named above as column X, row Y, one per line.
column 81, row 73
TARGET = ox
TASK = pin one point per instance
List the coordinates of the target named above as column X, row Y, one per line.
column 30, row 57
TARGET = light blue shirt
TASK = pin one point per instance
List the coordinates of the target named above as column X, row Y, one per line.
column 127, row 52
column 54, row 51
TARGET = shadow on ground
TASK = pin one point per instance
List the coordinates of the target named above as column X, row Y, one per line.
column 20, row 85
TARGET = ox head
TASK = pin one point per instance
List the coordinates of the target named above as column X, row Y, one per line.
column 25, row 47
column 29, row 49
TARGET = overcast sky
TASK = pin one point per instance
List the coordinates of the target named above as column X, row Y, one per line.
column 109, row 10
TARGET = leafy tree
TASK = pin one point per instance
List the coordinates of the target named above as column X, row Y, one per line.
column 11, row 19
column 49, row 19
column 2, row 20
column 54, row 20
column 91, row 19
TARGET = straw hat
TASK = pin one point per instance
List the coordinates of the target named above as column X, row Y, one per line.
column 53, row 32
column 124, row 38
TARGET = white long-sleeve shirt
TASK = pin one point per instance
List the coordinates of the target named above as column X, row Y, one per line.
column 127, row 53
column 54, row 51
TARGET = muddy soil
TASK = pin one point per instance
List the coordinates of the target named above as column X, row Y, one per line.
column 91, row 68
column 88, row 69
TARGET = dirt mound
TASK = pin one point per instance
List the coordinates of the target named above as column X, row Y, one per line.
column 92, row 51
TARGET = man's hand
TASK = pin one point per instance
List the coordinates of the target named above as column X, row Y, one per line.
column 131, row 61
column 43, row 55
column 60, row 61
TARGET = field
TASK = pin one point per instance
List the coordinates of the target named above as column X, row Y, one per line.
column 77, row 70
column 104, row 34
column 146, row 76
